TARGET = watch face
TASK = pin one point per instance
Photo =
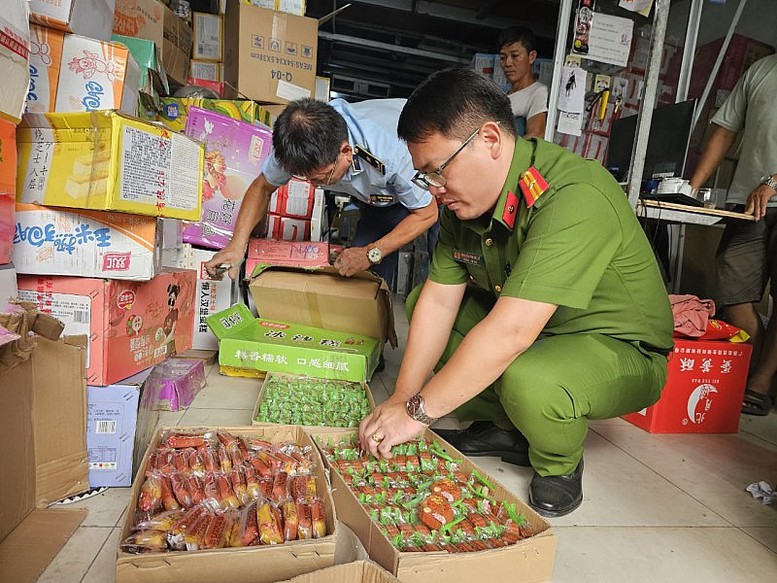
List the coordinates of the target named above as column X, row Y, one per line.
column 374, row 255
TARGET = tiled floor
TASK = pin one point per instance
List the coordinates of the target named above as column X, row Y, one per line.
column 657, row 508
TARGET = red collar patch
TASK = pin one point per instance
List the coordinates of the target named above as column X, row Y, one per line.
column 533, row 185
column 511, row 210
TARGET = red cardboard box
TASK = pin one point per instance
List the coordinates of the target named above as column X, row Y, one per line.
column 703, row 392
column 287, row 228
column 131, row 325
column 293, row 253
column 294, row 199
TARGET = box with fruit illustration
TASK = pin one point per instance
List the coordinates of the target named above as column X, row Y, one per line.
column 240, row 504
column 429, row 514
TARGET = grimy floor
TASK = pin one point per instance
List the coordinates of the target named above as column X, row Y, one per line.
column 657, row 508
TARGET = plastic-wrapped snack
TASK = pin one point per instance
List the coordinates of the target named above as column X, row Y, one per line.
column 144, row 541
column 269, row 520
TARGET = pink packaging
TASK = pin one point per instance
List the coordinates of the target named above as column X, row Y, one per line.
column 293, row 253
column 234, row 154
column 7, row 188
column 174, row 383
column 131, row 324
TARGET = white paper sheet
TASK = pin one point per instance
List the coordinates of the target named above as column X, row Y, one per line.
column 610, row 40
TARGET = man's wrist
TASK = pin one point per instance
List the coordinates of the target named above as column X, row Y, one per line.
column 770, row 181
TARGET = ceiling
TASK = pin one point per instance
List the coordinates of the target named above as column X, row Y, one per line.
column 385, row 48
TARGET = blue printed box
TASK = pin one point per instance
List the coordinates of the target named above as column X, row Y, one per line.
column 102, row 244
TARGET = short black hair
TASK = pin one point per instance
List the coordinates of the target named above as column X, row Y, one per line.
column 307, row 136
column 454, row 102
column 518, row 34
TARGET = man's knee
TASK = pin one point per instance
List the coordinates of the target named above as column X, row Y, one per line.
column 529, row 393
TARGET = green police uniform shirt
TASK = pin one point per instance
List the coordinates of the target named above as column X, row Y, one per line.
column 579, row 246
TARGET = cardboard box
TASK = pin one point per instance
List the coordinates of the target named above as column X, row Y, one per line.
column 153, row 78
column 105, row 161
column 287, row 228
column 97, row 75
column 43, row 409
column 174, row 112
column 131, row 325
column 208, row 37
column 211, row 296
column 530, row 559
column 207, row 70
column 703, row 392
column 112, row 412
column 310, row 398
column 8, row 287
column 152, row 20
column 307, row 254
column 234, row 155
column 147, row 420
column 296, row 7
column 14, row 59
column 270, row 56
column 51, row 241
column 45, row 59
column 7, row 189
column 241, row 110
column 293, row 199
column 268, row 345
column 257, row 564
column 360, row 304
column 356, row 572
column 90, row 18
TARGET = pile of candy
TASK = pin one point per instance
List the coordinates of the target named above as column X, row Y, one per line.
column 423, row 501
column 213, row 489
column 299, row 400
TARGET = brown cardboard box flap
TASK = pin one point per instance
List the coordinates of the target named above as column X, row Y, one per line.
column 59, row 411
column 356, row 572
column 29, row 549
column 360, row 304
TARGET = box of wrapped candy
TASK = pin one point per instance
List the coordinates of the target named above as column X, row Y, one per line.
column 174, row 383
column 302, row 400
column 429, row 514
column 242, row 504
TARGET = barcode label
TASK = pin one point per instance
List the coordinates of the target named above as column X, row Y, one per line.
column 104, row 427
column 81, row 316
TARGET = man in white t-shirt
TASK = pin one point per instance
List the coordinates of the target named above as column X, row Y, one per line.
column 747, row 256
column 528, row 97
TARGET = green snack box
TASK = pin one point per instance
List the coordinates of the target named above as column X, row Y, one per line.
column 268, row 345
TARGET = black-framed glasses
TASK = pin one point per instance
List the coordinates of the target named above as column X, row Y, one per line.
column 435, row 178
column 328, row 177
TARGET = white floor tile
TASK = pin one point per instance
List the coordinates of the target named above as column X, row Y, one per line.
column 666, row 555
column 76, row 556
column 765, row 535
column 216, row 417
column 713, row 469
column 106, row 508
column 103, row 569
column 223, row 392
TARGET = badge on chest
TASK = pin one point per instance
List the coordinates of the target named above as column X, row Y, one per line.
column 467, row 257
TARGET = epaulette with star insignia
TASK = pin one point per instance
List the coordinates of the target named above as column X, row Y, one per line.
column 370, row 158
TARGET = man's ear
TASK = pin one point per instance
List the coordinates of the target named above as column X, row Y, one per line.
column 346, row 148
column 532, row 56
column 493, row 136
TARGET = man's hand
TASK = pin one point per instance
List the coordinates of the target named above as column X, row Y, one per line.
column 756, row 201
column 388, row 425
column 352, row 260
column 231, row 255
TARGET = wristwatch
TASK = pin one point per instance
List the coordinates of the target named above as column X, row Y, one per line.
column 416, row 409
column 374, row 254
column 769, row 181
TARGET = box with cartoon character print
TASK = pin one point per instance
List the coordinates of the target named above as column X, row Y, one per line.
column 131, row 325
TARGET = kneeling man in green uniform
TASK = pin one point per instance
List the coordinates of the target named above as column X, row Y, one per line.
column 544, row 306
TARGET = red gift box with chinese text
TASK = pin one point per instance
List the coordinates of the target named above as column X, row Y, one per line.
column 703, row 392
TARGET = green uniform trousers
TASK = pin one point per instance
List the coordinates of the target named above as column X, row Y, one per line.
column 550, row 391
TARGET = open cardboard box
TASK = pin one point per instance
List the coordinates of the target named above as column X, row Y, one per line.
column 43, row 431
column 527, row 561
column 258, row 564
column 246, row 342
column 360, row 304
column 273, row 376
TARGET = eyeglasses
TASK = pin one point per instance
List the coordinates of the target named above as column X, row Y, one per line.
column 318, row 181
column 435, row 178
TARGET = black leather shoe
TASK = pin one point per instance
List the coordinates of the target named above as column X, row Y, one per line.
column 555, row 496
column 484, row 438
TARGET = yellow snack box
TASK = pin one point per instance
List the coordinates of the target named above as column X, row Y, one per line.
column 103, row 160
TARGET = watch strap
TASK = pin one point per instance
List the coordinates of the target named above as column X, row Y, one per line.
column 769, row 181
